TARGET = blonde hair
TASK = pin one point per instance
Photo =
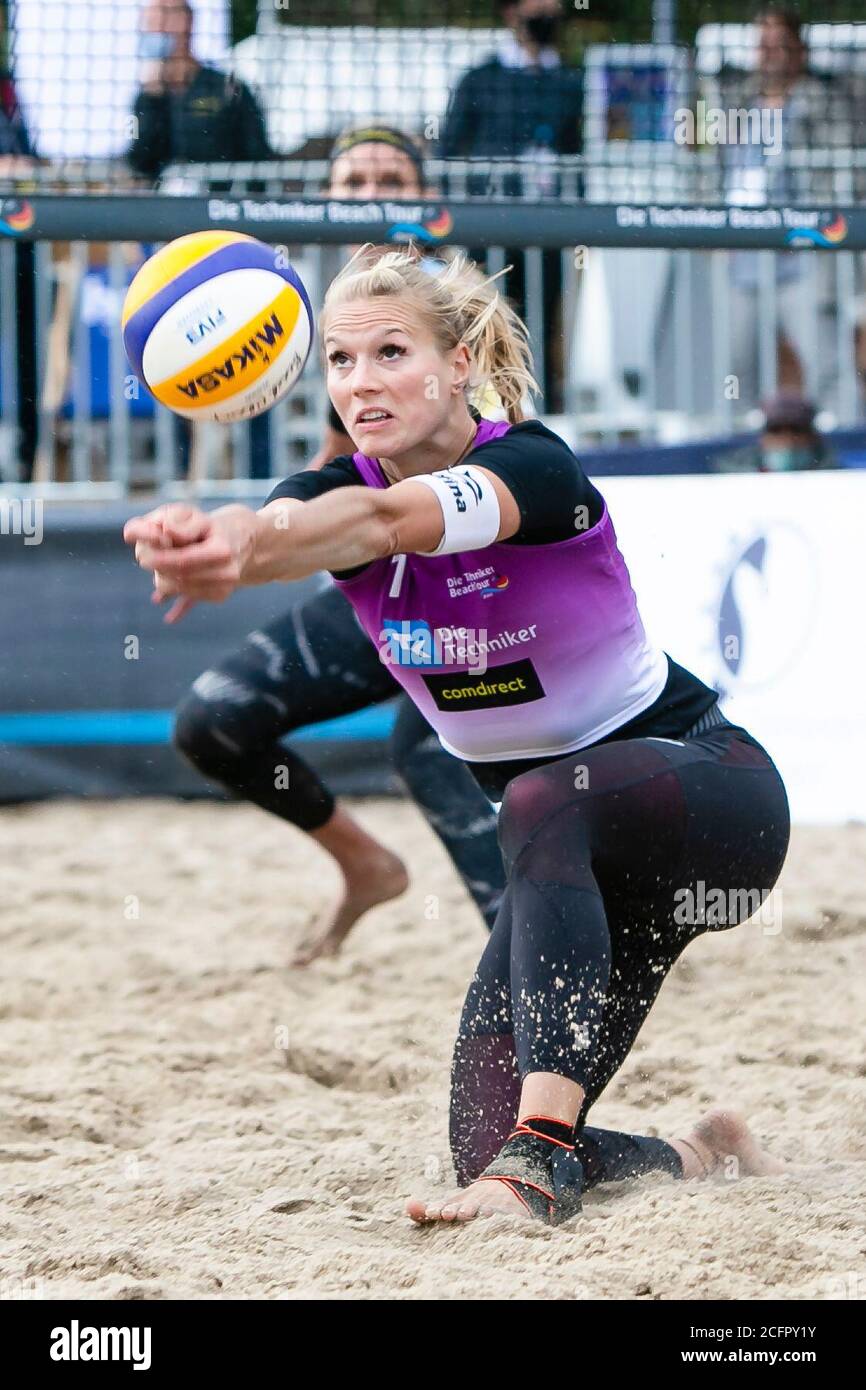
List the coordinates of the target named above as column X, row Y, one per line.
column 460, row 305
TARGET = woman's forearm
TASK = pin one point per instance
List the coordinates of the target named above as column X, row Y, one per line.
column 290, row 539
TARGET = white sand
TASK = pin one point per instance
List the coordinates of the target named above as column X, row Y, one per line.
column 160, row 1140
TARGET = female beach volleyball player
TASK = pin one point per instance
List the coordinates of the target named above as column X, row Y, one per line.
column 621, row 783
column 314, row 663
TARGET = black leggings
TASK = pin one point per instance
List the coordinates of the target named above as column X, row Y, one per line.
column 611, row 856
column 315, row 663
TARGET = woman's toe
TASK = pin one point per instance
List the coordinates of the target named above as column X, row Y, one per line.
column 421, row 1211
column 467, row 1210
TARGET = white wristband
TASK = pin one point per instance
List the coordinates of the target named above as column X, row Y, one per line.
column 470, row 508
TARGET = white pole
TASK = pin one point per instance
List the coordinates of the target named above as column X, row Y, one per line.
column 664, row 21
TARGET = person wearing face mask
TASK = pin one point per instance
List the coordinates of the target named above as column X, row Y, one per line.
column 809, row 126
column 521, row 99
column 186, row 111
column 523, row 103
column 789, row 441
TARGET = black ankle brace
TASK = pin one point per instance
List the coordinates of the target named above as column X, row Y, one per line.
column 538, row 1164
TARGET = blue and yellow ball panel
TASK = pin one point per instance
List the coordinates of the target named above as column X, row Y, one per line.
column 216, row 327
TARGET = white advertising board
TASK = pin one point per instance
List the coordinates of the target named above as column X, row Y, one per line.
column 757, row 584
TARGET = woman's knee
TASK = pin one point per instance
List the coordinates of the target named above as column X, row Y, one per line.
column 524, row 804
column 215, row 721
column 531, row 802
column 192, row 733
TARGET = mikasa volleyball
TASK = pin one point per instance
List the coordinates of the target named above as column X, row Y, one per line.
column 217, row 325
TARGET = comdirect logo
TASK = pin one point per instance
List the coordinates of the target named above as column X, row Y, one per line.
column 514, row 684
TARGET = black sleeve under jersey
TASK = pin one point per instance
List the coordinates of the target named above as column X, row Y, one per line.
column 313, row 482
column 555, row 497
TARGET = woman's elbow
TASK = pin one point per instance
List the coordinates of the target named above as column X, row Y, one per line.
column 382, row 540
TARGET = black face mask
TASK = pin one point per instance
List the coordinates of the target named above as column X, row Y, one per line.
column 542, row 29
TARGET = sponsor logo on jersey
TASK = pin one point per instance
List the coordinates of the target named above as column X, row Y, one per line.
column 514, row 684
column 412, row 642
column 496, row 585
column 485, row 581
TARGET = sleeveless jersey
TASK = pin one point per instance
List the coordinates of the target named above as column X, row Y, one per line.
column 512, row 651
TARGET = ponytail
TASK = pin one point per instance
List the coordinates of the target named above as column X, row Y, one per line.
column 461, row 305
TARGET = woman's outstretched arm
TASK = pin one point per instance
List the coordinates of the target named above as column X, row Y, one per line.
column 207, row 555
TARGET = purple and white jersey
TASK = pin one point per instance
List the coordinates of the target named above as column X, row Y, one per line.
column 512, row 651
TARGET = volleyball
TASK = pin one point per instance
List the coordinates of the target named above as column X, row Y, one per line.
column 217, row 325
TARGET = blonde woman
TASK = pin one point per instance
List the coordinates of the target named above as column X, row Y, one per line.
column 313, row 663
column 621, row 782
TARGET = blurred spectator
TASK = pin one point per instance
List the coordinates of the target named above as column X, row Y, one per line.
column 16, row 160
column 811, row 115
column 378, row 161
column 14, row 141
column 186, row 111
column 788, row 443
column 368, row 161
column 523, row 103
column 522, row 100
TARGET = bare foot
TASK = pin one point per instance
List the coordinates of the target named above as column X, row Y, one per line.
column 376, row 881
column 721, row 1135
column 478, row 1199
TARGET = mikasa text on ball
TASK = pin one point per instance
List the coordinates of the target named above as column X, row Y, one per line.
column 217, row 325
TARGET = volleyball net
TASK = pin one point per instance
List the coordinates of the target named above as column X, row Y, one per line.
column 638, row 171
column 678, row 195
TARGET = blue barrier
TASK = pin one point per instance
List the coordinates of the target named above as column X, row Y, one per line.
column 696, row 455
column 98, row 311
column 71, row 728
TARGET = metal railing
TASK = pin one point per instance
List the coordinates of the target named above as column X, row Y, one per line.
column 642, row 342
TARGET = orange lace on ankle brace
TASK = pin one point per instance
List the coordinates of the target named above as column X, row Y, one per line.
column 530, row 1126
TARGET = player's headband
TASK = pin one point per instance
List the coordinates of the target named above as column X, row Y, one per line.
column 381, row 135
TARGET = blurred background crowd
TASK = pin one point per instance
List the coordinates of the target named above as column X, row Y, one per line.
column 742, row 360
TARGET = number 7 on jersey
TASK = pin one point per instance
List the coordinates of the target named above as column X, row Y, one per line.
column 396, row 582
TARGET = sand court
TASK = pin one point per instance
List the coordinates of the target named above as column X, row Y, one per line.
column 186, row 1117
